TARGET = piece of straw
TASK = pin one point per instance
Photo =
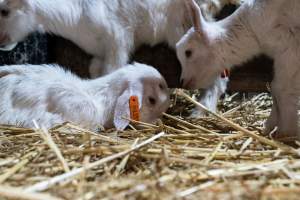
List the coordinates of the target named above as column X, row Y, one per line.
column 124, row 161
column 189, row 124
column 24, row 161
column 18, row 193
column 48, row 139
column 44, row 185
column 195, row 189
column 213, row 154
column 263, row 140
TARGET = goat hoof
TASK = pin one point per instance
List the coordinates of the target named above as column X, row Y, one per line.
column 285, row 138
column 198, row 113
column 269, row 128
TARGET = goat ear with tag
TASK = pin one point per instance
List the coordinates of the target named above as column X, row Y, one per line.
column 128, row 106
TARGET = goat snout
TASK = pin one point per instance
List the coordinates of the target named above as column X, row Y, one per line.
column 4, row 39
column 187, row 83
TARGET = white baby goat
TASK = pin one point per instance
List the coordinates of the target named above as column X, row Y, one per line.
column 268, row 26
column 110, row 30
column 51, row 96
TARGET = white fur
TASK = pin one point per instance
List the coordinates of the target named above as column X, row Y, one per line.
column 52, row 96
column 110, row 30
column 268, row 26
column 107, row 29
column 209, row 98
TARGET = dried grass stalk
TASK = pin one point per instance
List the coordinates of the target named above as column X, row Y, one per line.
column 264, row 140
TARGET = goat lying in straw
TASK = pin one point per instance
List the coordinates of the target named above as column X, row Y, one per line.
column 51, row 96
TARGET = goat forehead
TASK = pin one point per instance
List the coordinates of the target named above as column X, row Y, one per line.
column 152, row 80
column 187, row 41
column 154, row 76
column 139, row 71
column 148, row 72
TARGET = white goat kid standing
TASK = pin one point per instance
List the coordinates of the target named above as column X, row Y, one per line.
column 268, row 26
column 51, row 96
column 110, row 30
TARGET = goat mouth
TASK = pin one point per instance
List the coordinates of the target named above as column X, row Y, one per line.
column 6, row 44
column 189, row 84
column 4, row 40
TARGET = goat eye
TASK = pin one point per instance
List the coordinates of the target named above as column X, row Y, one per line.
column 188, row 53
column 4, row 12
column 152, row 101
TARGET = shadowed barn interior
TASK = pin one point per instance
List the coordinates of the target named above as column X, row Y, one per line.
column 252, row 78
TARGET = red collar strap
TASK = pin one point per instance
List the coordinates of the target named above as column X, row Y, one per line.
column 225, row 73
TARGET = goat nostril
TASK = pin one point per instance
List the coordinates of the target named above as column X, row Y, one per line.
column 152, row 100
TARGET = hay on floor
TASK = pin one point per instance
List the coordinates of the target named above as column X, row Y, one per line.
column 206, row 158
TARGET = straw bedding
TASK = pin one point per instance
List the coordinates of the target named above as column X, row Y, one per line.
column 206, row 158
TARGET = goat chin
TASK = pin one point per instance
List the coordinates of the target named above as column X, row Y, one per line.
column 9, row 47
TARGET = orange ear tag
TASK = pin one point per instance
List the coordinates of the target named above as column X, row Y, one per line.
column 134, row 108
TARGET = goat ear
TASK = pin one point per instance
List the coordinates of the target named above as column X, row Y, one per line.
column 122, row 112
column 196, row 15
